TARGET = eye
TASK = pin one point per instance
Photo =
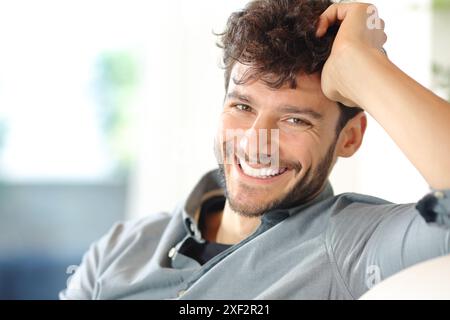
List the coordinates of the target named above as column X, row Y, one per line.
column 243, row 107
column 298, row 122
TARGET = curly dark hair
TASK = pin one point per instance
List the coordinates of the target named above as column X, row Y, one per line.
column 276, row 38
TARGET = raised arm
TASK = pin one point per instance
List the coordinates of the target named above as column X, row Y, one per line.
column 358, row 73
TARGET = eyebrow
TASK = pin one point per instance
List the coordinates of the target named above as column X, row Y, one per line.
column 239, row 96
column 284, row 109
column 300, row 110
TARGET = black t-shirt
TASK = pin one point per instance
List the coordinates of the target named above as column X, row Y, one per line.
column 203, row 252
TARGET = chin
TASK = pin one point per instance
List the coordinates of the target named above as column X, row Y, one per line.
column 250, row 197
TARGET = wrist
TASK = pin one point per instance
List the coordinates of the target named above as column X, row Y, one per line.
column 353, row 67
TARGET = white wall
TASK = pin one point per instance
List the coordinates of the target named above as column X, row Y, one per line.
column 184, row 91
column 183, row 98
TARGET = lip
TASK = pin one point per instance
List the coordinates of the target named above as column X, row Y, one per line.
column 243, row 176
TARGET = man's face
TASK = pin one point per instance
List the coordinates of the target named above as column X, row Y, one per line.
column 305, row 121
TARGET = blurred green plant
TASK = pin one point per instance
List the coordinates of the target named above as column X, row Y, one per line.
column 441, row 78
column 441, row 4
column 116, row 84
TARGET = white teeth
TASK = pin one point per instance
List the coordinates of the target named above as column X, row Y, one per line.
column 263, row 173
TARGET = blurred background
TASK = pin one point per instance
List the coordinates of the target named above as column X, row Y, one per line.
column 108, row 111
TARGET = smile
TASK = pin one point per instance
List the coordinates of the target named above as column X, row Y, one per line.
column 261, row 173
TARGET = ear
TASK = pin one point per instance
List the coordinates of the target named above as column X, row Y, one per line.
column 351, row 136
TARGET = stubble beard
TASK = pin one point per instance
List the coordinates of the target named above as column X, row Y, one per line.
column 306, row 189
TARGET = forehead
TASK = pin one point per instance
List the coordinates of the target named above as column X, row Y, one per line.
column 308, row 90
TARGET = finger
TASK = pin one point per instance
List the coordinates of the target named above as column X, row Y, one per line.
column 334, row 13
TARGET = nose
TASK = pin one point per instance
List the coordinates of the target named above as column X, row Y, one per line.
column 259, row 143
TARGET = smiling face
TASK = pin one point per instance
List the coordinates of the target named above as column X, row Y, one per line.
column 305, row 121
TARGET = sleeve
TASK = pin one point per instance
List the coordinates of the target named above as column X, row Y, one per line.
column 435, row 208
column 82, row 285
column 371, row 243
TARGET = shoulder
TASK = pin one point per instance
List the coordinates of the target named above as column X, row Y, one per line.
column 364, row 209
column 125, row 235
column 144, row 226
column 355, row 217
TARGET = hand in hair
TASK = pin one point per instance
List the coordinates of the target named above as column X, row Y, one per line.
column 360, row 30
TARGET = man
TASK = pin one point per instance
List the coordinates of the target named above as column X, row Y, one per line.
column 267, row 225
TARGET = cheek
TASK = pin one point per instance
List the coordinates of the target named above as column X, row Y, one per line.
column 233, row 120
column 230, row 126
column 227, row 121
column 302, row 148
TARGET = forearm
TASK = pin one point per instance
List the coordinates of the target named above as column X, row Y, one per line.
column 415, row 118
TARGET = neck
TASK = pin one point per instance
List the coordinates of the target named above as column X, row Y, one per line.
column 234, row 227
